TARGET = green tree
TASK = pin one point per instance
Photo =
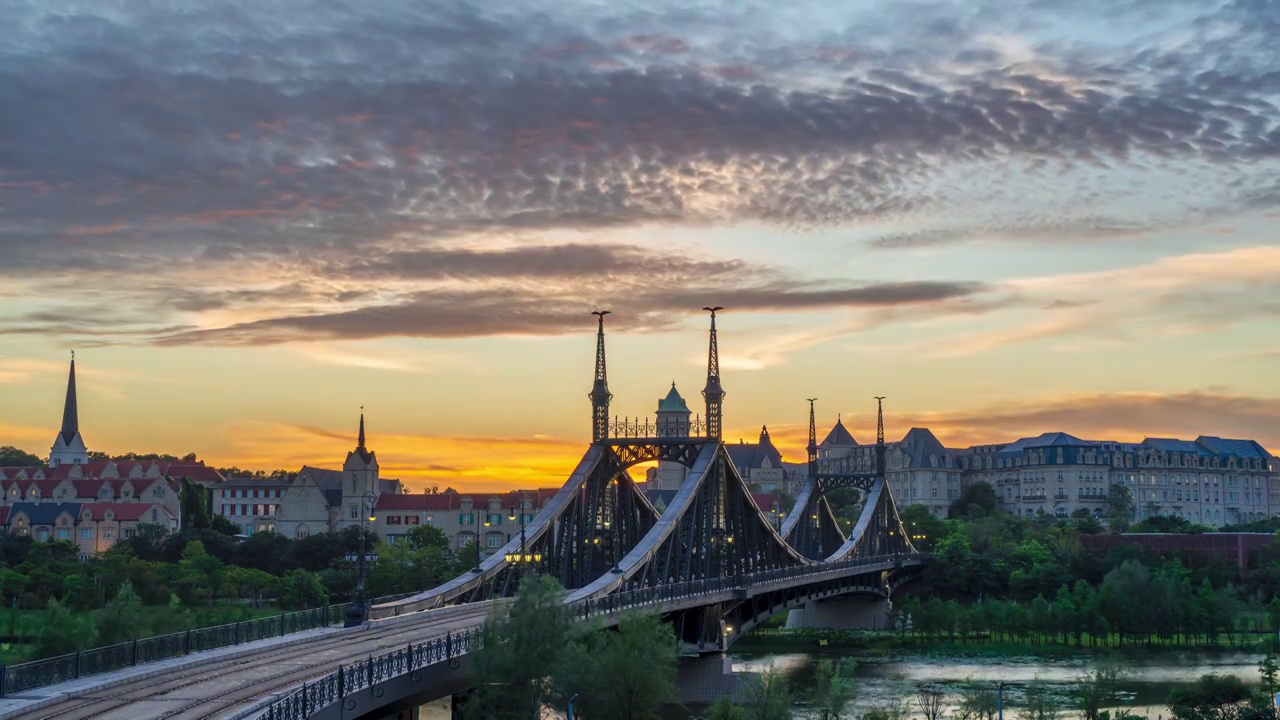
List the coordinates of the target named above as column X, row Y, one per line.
column 11, row 456
column 628, row 674
column 509, row 683
column 1270, row 672
column 1212, row 697
column 220, row 524
column 979, row 494
column 424, row 536
column 1119, row 511
column 300, row 590
column 766, row 697
column 123, row 619
column 64, row 631
column 832, row 690
column 194, row 506
column 1098, row 688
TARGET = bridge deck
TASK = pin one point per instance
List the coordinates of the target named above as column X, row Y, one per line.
column 227, row 684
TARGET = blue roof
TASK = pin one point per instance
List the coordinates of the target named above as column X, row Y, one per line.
column 1237, row 448
column 838, row 437
column 1052, row 439
column 1175, row 445
column 44, row 513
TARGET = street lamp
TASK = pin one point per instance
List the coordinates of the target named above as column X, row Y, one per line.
column 358, row 609
column 523, row 557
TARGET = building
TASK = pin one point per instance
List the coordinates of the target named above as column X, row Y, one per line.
column 491, row 518
column 319, row 500
column 1209, row 480
column 920, row 471
column 92, row 527
column 673, row 420
column 68, row 446
column 250, row 503
column 760, row 465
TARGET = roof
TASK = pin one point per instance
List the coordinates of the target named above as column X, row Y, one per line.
column 1049, row 439
column 252, row 482
column 765, row 501
column 1238, row 448
column 673, row 402
column 196, row 472
column 44, row 513
column 1175, row 445
column 838, row 437
column 70, row 415
column 419, row 502
column 325, row 479
column 753, row 455
column 122, row 511
column 920, row 444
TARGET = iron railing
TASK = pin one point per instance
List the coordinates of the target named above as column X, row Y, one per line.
column 348, row 679
column 73, row 666
column 315, row 696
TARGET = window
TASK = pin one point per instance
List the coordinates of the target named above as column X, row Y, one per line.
column 393, row 519
column 155, row 515
column 494, row 540
column 86, row 533
column 466, row 519
column 494, row 518
column 412, row 520
column 108, row 533
column 64, row 533
column 129, row 532
column 354, row 511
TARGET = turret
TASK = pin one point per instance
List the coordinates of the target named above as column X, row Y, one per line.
column 68, row 447
column 713, row 393
column 600, row 395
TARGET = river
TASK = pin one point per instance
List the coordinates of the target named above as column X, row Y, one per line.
column 881, row 680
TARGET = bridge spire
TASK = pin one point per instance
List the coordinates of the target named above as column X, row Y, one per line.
column 880, row 434
column 813, row 442
column 713, row 393
column 600, row 395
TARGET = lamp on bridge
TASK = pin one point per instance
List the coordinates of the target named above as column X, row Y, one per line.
column 358, row 609
column 523, row 557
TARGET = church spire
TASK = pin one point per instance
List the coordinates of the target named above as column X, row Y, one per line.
column 360, row 439
column 600, row 395
column 70, row 415
column 713, row 393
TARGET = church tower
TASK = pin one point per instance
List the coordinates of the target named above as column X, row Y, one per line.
column 359, row 476
column 68, row 447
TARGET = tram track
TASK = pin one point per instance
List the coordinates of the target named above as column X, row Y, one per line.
column 217, row 688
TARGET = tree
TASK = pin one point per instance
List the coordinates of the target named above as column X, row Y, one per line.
column 1212, row 697
column 628, row 674
column 1119, row 512
column 63, row 631
column 978, row 702
column 931, row 702
column 766, row 697
column 123, row 618
column 1039, row 704
column 1098, row 688
column 194, row 506
column 509, row 684
column 424, row 536
column 221, row 524
column 11, row 456
column 980, row 494
column 832, row 690
column 1270, row 672
column 300, row 590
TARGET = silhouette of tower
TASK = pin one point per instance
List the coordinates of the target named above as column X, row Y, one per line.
column 600, row 395
column 713, row 393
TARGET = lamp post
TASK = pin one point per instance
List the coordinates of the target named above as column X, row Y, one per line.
column 358, row 609
column 523, row 557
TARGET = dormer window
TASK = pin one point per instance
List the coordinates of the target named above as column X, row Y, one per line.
column 110, row 515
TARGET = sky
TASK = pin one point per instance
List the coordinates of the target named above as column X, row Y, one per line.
column 1008, row 217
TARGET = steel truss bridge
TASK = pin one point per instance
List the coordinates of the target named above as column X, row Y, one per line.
column 712, row 562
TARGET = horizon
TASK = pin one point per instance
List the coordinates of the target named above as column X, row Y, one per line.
column 1008, row 218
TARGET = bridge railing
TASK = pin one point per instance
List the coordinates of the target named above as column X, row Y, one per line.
column 348, row 679
column 85, row 663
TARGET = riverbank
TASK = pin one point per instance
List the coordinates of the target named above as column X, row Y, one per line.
column 889, row 643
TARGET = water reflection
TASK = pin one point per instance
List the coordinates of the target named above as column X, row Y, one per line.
column 881, row 681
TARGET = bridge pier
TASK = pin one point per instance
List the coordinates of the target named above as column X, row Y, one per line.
column 842, row 613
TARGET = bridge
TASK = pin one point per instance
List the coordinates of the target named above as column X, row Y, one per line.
column 711, row 562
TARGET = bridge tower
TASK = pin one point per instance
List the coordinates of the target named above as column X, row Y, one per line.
column 713, row 393
column 812, row 447
column 600, row 395
column 880, row 468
